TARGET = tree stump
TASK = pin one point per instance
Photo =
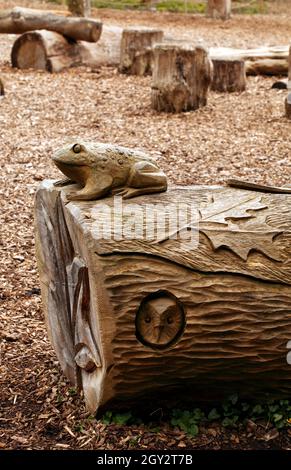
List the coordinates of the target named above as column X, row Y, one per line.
column 220, row 8
column 137, row 319
column 1, row 88
column 181, row 77
column 44, row 50
column 136, row 54
column 228, row 75
column 79, row 7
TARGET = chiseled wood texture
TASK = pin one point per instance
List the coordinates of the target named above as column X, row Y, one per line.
column 182, row 74
column 136, row 50
column 131, row 319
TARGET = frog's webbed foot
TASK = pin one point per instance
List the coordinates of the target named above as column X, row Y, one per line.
column 128, row 193
column 63, row 182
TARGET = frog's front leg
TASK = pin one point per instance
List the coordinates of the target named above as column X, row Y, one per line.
column 95, row 188
column 144, row 178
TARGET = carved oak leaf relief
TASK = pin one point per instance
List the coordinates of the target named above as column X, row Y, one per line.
column 224, row 213
column 222, row 209
column 243, row 242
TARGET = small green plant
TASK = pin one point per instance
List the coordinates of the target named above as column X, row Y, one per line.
column 117, row 418
column 188, row 421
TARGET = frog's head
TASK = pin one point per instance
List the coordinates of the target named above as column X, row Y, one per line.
column 76, row 154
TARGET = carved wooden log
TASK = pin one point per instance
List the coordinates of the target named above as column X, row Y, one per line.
column 181, row 77
column 228, row 75
column 136, row 54
column 136, row 319
column 44, row 50
column 1, row 88
column 220, row 8
column 20, row 20
column 288, row 98
column 79, row 7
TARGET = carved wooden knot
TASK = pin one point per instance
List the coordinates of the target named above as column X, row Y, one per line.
column 85, row 359
column 160, row 320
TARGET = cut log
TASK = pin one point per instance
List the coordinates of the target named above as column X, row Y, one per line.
column 181, row 77
column 20, row 20
column 267, row 67
column 228, row 75
column 150, row 319
column 220, row 8
column 79, row 7
column 104, row 52
column 136, row 54
column 1, row 88
column 44, row 50
column 50, row 51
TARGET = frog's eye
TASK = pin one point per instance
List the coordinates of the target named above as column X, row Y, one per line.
column 76, row 148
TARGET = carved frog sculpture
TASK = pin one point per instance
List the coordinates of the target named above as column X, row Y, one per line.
column 102, row 169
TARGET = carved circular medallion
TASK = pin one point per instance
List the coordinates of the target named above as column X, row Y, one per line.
column 160, row 320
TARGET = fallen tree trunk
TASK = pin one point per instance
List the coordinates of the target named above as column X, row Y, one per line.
column 267, row 67
column 156, row 317
column 261, row 61
column 20, row 20
column 277, row 52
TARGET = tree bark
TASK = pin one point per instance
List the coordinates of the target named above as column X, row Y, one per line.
column 44, row 50
column 220, row 8
column 79, row 7
column 229, row 75
column 229, row 297
column 20, row 20
column 181, row 77
column 136, row 55
column 1, row 88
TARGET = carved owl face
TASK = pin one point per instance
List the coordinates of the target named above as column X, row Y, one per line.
column 160, row 320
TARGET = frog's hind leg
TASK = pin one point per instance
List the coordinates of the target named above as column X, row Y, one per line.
column 63, row 182
column 93, row 189
column 144, row 178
